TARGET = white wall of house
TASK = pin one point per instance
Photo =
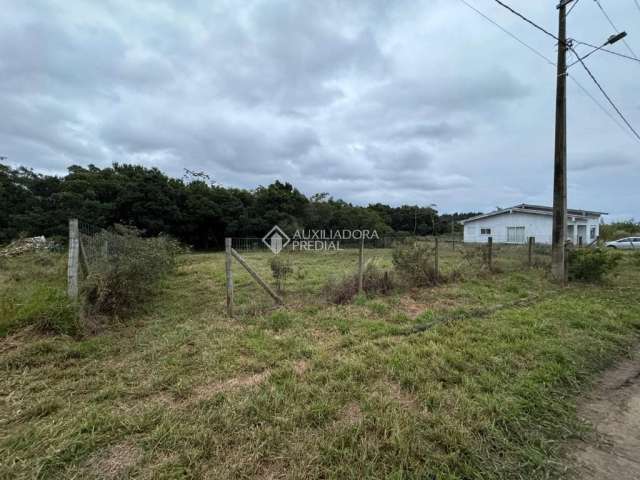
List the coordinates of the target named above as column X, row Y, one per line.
column 517, row 227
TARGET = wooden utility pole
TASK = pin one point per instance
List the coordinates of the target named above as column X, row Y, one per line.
column 560, row 160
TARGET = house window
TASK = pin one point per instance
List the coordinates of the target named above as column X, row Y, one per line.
column 515, row 234
column 592, row 234
column 485, row 231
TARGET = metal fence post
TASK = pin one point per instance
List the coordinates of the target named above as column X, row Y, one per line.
column 490, row 253
column 531, row 240
column 72, row 263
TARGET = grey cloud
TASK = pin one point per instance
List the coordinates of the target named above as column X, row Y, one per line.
column 603, row 160
column 288, row 54
column 465, row 91
column 369, row 100
column 440, row 131
column 233, row 146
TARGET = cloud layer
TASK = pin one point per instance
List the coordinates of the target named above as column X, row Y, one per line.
column 372, row 101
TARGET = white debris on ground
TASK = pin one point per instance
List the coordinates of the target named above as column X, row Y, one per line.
column 24, row 245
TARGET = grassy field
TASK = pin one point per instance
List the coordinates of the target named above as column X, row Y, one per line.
column 473, row 379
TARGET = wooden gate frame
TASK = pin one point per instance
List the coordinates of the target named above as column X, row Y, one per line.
column 230, row 254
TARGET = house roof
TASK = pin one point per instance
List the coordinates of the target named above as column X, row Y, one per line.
column 533, row 210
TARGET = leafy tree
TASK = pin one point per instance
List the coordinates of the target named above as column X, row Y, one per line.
column 195, row 211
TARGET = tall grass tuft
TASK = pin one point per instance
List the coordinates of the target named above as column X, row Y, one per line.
column 45, row 308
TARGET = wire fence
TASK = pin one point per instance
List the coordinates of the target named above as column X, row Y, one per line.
column 256, row 244
column 307, row 273
column 94, row 244
column 90, row 248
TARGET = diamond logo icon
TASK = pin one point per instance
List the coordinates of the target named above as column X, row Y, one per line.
column 276, row 240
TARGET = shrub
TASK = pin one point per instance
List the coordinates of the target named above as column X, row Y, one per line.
column 415, row 263
column 280, row 269
column 127, row 273
column 374, row 281
column 591, row 265
column 474, row 255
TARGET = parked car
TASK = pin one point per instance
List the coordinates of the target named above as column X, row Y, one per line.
column 625, row 243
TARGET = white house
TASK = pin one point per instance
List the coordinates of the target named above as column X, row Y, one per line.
column 517, row 224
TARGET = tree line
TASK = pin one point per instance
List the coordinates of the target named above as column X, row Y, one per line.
column 194, row 210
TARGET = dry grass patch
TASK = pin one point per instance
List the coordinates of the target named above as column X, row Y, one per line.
column 300, row 367
column 210, row 390
column 351, row 414
column 116, row 461
column 401, row 396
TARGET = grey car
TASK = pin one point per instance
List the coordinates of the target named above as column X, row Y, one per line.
column 625, row 243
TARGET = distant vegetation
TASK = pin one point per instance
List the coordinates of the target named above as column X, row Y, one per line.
column 616, row 230
column 193, row 210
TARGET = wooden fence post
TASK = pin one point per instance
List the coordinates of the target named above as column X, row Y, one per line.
column 490, row 253
column 229, row 271
column 531, row 240
column 361, row 266
column 567, row 248
column 72, row 263
column 436, row 259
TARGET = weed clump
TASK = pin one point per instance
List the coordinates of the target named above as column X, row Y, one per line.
column 375, row 281
column 123, row 278
column 591, row 265
column 280, row 269
column 415, row 264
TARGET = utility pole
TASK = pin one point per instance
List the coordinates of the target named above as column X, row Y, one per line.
column 559, row 236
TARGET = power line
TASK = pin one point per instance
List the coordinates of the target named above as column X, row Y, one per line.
column 606, row 50
column 574, row 6
column 637, row 4
column 613, row 25
column 606, row 95
column 600, row 106
column 535, row 51
column 531, row 22
column 595, row 100
column 550, row 62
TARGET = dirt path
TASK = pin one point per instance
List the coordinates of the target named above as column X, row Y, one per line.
column 613, row 408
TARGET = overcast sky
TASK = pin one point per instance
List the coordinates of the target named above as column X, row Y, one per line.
column 372, row 101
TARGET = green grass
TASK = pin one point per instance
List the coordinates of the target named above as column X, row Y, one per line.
column 32, row 294
column 476, row 379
